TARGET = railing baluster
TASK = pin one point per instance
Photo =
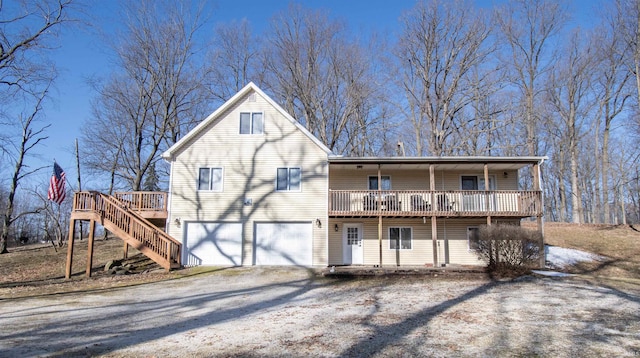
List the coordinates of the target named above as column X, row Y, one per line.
column 472, row 203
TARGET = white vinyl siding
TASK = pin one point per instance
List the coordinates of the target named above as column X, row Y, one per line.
column 250, row 163
column 210, row 179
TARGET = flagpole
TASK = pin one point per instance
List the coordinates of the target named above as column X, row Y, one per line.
column 79, row 182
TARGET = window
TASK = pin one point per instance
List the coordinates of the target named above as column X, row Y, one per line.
column 288, row 179
column 476, row 182
column 210, row 179
column 251, row 123
column 386, row 182
column 473, row 238
column 400, row 238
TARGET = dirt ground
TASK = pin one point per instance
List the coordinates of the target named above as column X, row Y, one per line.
column 294, row 312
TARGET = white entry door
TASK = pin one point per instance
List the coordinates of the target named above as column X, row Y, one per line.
column 352, row 253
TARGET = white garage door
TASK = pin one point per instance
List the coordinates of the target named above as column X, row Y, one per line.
column 283, row 244
column 213, row 244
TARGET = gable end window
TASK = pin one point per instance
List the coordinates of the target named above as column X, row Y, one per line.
column 288, row 179
column 400, row 238
column 210, row 179
column 251, row 123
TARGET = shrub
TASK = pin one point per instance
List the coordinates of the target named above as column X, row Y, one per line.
column 509, row 246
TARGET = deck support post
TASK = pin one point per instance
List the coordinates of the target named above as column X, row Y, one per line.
column 537, row 179
column 72, row 225
column 125, row 251
column 380, row 238
column 434, row 238
column 92, row 228
column 379, row 207
column 434, row 223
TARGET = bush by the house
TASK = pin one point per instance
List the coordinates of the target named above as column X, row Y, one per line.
column 509, row 246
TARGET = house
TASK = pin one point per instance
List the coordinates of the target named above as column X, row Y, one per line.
column 251, row 186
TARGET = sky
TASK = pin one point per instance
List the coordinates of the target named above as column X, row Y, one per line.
column 83, row 55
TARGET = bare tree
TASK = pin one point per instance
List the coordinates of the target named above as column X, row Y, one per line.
column 629, row 17
column 322, row 77
column 30, row 137
column 155, row 97
column 441, row 43
column 612, row 89
column 234, row 60
column 571, row 96
column 27, row 29
column 527, row 27
column 27, row 32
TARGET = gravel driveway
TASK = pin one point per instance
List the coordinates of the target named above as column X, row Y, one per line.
column 266, row 312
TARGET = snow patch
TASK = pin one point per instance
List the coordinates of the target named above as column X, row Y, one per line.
column 560, row 257
column 551, row 273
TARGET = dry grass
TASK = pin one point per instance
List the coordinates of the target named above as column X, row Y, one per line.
column 40, row 269
column 620, row 244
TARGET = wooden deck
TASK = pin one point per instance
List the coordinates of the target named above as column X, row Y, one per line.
column 417, row 203
column 127, row 215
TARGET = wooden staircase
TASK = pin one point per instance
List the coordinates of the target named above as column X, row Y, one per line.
column 129, row 216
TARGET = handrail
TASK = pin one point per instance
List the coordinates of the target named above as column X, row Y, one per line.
column 131, row 223
column 143, row 200
column 469, row 203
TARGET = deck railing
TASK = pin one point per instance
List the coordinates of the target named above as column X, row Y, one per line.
column 147, row 238
column 468, row 203
column 143, row 200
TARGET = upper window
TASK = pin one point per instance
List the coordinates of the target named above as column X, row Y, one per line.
column 476, row 182
column 251, row 123
column 400, row 238
column 210, row 179
column 288, row 179
column 386, row 182
column 473, row 237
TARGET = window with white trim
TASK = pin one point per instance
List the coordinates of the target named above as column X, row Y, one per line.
column 476, row 182
column 473, row 237
column 288, row 179
column 385, row 181
column 210, row 179
column 400, row 238
column 251, row 123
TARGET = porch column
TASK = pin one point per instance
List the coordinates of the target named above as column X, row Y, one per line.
column 537, row 187
column 380, row 238
column 486, row 189
column 434, row 224
column 378, row 206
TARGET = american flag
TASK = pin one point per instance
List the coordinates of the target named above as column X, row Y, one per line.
column 56, row 185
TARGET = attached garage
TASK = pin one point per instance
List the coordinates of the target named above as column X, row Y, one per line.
column 283, row 243
column 211, row 243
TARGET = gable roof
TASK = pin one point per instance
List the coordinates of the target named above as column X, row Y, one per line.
column 169, row 153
